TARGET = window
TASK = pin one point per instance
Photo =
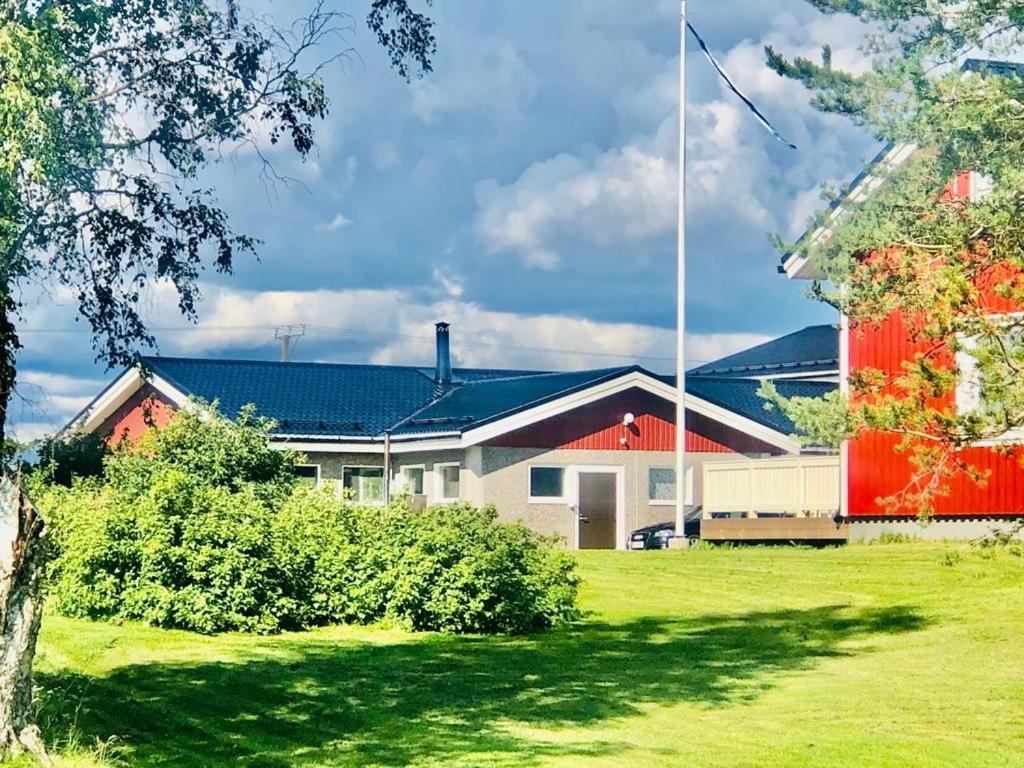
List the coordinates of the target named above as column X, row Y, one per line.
column 661, row 485
column 307, row 474
column 547, row 484
column 446, row 482
column 366, row 484
column 978, row 379
column 412, row 478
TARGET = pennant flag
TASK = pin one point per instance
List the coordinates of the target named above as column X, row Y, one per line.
column 750, row 105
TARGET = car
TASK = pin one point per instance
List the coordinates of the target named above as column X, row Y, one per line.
column 657, row 536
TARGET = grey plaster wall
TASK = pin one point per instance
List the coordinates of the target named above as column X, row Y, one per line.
column 500, row 476
column 505, row 483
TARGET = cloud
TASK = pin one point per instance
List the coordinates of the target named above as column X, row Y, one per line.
column 338, row 222
column 449, row 282
column 621, row 195
column 385, row 156
column 626, row 194
column 394, row 327
column 44, row 402
column 488, row 72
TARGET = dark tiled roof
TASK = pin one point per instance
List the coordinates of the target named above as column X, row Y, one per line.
column 328, row 399
column 304, row 398
column 813, row 350
column 473, row 405
column 740, row 396
column 994, row 67
column 313, row 398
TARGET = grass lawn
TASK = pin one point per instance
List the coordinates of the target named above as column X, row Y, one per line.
column 862, row 656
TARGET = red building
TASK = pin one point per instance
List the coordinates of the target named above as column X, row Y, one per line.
column 872, row 469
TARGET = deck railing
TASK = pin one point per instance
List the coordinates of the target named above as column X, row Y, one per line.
column 804, row 486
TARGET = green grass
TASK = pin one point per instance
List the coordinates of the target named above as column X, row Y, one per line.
column 862, row 656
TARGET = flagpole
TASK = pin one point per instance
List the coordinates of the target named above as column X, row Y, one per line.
column 681, row 289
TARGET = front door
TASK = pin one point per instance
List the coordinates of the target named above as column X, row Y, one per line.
column 597, row 510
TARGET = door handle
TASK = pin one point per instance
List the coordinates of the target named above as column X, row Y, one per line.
column 584, row 519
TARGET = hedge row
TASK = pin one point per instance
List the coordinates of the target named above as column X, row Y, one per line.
column 201, row 528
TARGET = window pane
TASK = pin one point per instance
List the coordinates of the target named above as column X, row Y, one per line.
column 449, row 482
column 413, row 479
column 662, row 484
column 307, row 474
column 366, row 483
column 546, row 481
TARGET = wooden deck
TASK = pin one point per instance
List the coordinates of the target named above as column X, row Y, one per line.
column 809, row 529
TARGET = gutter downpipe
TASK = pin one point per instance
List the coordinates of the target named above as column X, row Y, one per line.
column 387, row 467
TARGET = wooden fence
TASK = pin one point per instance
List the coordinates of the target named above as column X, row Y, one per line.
column 804, row 486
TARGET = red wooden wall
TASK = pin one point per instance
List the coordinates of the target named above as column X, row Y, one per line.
column 144, row 409
column 598, row 427
column 877, row 470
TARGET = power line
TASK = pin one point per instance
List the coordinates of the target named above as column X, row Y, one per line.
column 359, row 333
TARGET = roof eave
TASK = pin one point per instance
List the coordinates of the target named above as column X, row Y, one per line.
column 796, row 264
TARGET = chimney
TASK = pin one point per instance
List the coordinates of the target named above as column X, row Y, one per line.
column 443, row 368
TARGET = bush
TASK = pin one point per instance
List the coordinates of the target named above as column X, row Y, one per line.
column 182, row 555
column 461, row 571
column 173, row 540
column 63, row 458
column 211, row 450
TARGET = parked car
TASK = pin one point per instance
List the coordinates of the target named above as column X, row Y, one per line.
column 657, row 536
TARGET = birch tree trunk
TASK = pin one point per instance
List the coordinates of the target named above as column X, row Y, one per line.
column 22, row 556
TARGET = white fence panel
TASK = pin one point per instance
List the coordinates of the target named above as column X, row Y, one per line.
column 799, row 485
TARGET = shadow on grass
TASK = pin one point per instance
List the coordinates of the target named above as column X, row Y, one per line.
column 440, row 699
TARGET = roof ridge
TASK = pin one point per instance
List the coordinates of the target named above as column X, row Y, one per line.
column 544, row 374
column 761, row 366
column 421, row 369
column 417, row 411
column 740, row 380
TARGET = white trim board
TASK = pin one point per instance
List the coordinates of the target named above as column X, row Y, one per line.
column 797, row 266
column 117, row 394
column 634, row 379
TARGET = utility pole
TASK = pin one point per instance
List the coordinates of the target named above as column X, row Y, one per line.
column 285, row 333
column 681, row 289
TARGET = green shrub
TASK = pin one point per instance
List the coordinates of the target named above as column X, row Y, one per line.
column 451, row 568
column 61, row 458
column 182, row 555
column 174, row 540
column 335, row 557
column 210, row 449
column 461, row 571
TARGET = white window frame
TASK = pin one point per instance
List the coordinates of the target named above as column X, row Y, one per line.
column 383, row 492
column 968, row 389
column 319, row 472
column 531, row 499
column 660, row 502
column 405, row 480
column 439, row 496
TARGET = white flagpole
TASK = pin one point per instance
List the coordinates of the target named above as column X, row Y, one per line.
column 681, row 289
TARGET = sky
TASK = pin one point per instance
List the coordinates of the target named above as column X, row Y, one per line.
column 524, row 191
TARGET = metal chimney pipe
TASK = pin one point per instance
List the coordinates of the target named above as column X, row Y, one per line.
column 443, row 367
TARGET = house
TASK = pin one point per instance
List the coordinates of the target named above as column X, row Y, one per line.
column 586, row 455
column 871, row 467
